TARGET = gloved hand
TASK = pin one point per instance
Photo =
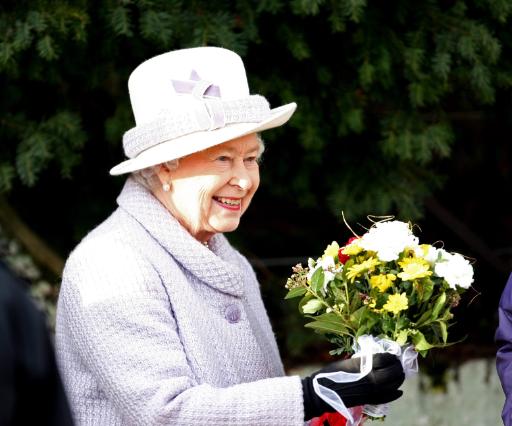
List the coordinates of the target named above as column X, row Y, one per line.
column 377, row 387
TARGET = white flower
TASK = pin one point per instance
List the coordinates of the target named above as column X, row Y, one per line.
column 328, row 266
column 312, row 266
column 311, row 263
column 455, row 269
column 327, row 263
column 328, row 277
column 428, row 252
column 443, row 255
column 388, row 239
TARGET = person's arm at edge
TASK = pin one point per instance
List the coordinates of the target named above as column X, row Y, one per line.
column 503, row 340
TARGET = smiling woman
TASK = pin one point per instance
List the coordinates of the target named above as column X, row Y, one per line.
column 208, row 191
column 160, row 321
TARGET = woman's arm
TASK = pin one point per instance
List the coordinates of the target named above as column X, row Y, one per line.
column 115, row 312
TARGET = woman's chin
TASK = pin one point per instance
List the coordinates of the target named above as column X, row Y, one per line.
column 225, row 225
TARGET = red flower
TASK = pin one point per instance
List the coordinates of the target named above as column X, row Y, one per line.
column 350, row 240
column 332, row 419
column 344, row 257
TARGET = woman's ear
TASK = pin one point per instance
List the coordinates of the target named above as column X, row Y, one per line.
column 163, row 173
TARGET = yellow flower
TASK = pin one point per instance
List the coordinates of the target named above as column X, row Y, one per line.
column 414, row 268
column 331, row 250
column 396, row 303
column 382, row 281
column 352, row 249
column 359, row 268
column 372, row 305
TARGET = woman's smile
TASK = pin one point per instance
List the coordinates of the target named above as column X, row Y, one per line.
column 229, row 203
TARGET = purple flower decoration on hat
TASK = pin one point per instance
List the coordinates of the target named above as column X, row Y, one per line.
column 196, row 87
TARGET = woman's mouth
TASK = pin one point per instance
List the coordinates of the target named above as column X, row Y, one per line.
column 229, row 203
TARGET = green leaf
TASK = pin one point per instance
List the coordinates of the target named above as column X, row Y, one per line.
column 420, row 343
column 26, row 168
column 428, row 289
column 354, row 9
column 402, row 322
column 444, row 330
column 366, row 73
column 6, row 53
column 413, row 58
column 440, row 302
column 447, row 315
column 388, row 325
column 416, row 94
column 7, row 174
column 295, row 292
column 425, row 317
column 303, row 301
column 156, row 26
column 46, row 48
column 23, row 36
column 37, row 21
column 355, row 304
column 329, row 323
column 354, row 119
column 467, row 48
column 441, row 64
column 363, row 329
column 306, row 7
column 317, row 280
column 120, row 20
column 357, row 317
column 401, row 337
column 312, row 306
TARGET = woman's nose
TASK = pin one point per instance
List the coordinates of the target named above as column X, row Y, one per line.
column 241, row 177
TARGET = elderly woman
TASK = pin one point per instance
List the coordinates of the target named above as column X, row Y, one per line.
column 160, row 321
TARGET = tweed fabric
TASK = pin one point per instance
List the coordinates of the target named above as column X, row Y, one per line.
column 153, row 328
column 184, row 121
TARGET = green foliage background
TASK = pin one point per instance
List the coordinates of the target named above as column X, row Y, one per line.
column 400, row 103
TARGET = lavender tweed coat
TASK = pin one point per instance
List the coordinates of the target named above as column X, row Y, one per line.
column 153, row 328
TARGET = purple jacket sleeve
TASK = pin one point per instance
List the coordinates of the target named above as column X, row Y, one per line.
column 504, row 355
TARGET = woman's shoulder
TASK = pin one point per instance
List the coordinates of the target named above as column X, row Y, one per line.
column 116, row 254
column 111, row 237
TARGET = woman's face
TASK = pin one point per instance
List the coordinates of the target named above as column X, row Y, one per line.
column 211, row 189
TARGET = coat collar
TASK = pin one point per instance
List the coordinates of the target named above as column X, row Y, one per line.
column 215, row 265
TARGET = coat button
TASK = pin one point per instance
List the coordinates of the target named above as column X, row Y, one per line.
column 232, row 314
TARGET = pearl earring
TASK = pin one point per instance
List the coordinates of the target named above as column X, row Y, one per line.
column 166, row 187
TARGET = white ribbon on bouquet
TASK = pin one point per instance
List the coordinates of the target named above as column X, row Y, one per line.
column 365, row 347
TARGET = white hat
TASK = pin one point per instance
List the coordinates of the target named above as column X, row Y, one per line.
column 189, row 100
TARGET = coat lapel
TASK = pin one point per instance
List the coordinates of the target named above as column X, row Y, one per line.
column 216, row 266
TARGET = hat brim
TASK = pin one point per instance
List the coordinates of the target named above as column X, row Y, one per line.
column 198, row 141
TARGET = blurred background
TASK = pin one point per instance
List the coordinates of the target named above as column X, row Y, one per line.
column 404, row 109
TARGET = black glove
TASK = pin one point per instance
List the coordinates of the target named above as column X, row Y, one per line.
column 377, row 387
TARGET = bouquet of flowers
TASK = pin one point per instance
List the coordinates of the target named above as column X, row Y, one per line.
column 382, row 291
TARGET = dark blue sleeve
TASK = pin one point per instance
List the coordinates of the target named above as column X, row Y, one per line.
column 503, row 339
column 31, row 391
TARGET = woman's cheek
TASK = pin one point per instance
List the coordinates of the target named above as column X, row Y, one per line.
column 204, row 203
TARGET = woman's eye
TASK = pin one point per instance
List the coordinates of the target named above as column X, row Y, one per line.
column 251, row 159
column 223, row 158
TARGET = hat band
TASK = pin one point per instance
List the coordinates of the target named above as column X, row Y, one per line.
column 204, row 115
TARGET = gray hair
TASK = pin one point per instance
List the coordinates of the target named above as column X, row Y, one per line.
column 148, row 177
